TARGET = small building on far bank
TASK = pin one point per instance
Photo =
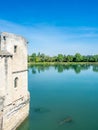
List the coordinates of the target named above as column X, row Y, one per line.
column 14, row 95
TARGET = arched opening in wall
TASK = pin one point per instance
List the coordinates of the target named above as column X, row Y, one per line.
column 16, row 82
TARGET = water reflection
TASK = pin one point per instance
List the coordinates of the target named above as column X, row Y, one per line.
column 95, row 68
column 61, row 68
column 25, row 125
column 64, row 103
column 39, row 68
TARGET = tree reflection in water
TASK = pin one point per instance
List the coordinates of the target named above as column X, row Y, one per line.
column 61, row 68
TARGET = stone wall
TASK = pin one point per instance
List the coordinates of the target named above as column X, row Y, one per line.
column 15, row 114
column 13, row 64
column 1, row 120
column 1, row 112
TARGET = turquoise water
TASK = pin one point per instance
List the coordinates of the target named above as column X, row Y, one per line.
column 63, row 92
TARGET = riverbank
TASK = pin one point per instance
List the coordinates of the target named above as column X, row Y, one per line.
column 62, row 63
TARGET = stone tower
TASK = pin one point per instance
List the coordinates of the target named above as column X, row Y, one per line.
column 14, row 95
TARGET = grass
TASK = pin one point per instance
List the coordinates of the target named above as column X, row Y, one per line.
column 61, row 63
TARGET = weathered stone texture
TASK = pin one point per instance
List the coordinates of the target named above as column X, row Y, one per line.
column 14, row 106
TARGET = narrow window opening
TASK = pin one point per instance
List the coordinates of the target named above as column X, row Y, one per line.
column 4, row 38
column 15, row 49
column 16, row 82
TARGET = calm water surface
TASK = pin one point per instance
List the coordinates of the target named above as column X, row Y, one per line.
column 63, row 92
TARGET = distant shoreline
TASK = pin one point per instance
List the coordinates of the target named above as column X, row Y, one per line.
column 62, row 63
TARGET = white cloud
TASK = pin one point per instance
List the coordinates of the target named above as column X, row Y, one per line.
column 53, row 40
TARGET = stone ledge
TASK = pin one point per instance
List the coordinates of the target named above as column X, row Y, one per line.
column 5, row 53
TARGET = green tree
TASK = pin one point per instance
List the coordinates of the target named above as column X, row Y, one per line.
column 78, row 57
column 85, row 59
column 65, row 58
column 37, row 59
column 95, row 57
column 69, row 58
column 42, row 57
column 91, row 59
column 33, row 57
column 54, row 59
column 60, row 58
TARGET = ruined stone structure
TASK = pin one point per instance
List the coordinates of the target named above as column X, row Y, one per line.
column 14, row 95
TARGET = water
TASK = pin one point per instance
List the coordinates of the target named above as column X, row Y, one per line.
column 61, row 92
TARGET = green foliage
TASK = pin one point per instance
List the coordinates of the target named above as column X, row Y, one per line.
column 78, row 57
column 69, row 58
column 33, row 57
column 62, row 58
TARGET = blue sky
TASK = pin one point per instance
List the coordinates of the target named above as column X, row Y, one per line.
column 53, row 26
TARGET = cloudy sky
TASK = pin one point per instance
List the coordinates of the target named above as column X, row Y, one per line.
column 53, row 26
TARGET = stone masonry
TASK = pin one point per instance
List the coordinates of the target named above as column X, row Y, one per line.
column 14, row 95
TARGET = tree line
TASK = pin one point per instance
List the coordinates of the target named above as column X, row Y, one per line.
column 41, row 57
